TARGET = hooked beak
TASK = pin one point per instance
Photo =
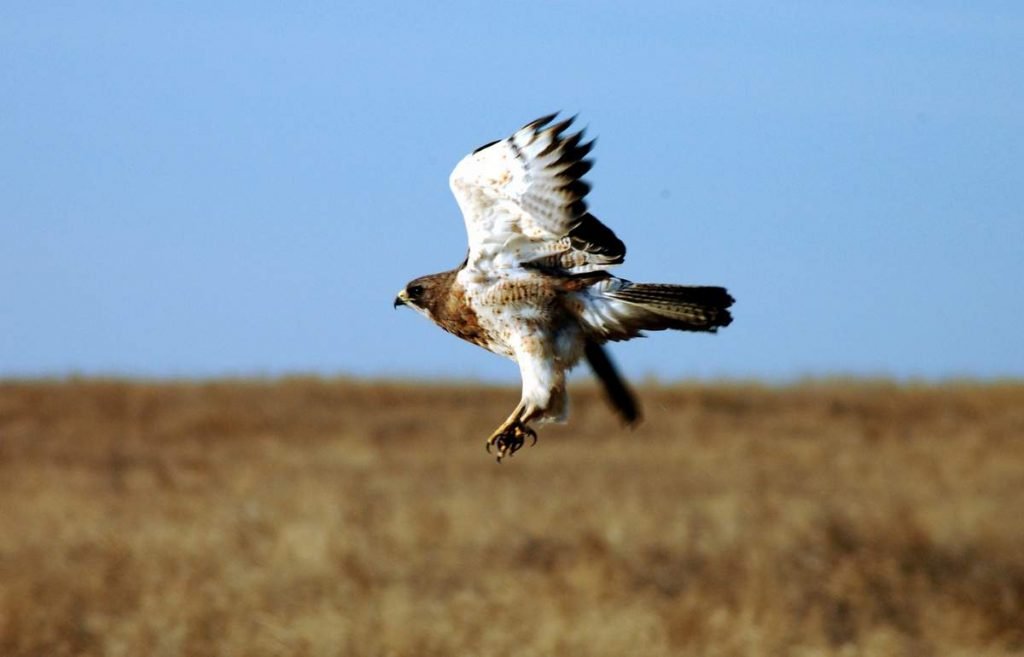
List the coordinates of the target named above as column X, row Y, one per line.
column 401, row 299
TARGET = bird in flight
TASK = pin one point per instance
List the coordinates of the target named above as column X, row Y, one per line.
column 535, row 285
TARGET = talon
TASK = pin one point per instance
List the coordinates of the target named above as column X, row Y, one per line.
column 510, row 440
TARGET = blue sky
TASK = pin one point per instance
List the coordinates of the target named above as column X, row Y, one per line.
column 196, row 189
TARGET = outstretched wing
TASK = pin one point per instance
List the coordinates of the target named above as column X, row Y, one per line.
column 523, row 202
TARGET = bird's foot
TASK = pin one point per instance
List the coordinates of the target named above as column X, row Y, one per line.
column 507, row 440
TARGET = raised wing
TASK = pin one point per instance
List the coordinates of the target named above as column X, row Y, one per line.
column 523, row 202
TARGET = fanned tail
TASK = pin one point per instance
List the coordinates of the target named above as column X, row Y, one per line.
column 680, row 307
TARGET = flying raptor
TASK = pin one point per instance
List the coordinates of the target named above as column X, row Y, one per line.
column 535, row 284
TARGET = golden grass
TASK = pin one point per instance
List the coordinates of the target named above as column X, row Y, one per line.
column 310, row 517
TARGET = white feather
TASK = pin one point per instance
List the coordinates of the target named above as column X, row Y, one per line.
column 513, row 199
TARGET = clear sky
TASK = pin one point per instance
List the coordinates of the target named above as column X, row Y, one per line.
column 196, row 188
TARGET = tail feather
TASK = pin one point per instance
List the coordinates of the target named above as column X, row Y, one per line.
column 619, row 394
column 681, row 307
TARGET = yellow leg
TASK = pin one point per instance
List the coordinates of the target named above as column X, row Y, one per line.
column 511, row 435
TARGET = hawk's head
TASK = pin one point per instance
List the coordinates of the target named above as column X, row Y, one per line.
column 423, row 294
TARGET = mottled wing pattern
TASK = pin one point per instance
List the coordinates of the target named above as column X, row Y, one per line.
column 522, row 199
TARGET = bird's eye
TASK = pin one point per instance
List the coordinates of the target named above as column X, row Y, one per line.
column 414, row 291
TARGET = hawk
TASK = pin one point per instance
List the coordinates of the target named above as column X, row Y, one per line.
column 535, row 285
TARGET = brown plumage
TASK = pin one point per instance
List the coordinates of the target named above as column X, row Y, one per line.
column 535, row 286
column 445, row 303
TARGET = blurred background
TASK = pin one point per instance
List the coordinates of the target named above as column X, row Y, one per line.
column 225, row 197
column 197, row 189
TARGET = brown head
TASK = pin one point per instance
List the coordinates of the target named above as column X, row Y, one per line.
column 427, row 295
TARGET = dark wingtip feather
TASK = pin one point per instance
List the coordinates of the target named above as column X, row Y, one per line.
column 537, row 124
column 590, row 235
column 558, row 128
column 569, row 144
column 487, row 145
column 577, row 169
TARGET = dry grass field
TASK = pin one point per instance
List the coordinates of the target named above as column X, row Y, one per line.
column 312, row 517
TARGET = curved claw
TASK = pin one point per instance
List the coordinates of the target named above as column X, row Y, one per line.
column 510, row 440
